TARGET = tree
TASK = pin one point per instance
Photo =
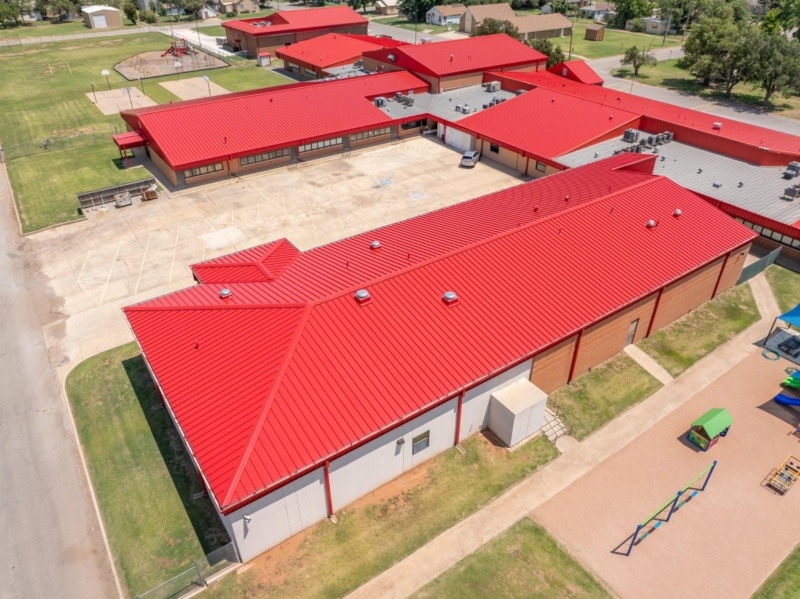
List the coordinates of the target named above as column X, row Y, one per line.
column 776, row 65
column 638, row 59
column 554, row 53
column 740, row 60
column 491, row 26
column 631, row 9
column 11, row 12
column 360, row 4
column 414, row 10
column 711, row 40
column 131, row 12
column 57, row 8
column 559, row 6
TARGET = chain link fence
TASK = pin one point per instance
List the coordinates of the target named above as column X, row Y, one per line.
column 196, row 577
column 85, row 137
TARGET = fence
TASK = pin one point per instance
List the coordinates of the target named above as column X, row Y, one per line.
column 759, row 266
column 98, row 197
column 196, row 576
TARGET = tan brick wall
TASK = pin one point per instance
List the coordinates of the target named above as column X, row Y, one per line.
column 551, row 367
column 163, row 167
column 464, row 80
column 608, row 337
column 329, row 151
column 237, row 168
column 523, row 68
column 209, row 176
column 686, row 294
column 733, row 268
column 504, row 156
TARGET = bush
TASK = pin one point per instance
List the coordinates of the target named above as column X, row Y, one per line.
column 637, row 26
column 148, row 16
column 230, row 14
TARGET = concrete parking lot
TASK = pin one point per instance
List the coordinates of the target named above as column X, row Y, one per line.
column 120, row 256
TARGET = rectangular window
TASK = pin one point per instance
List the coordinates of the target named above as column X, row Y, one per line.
column 369, row 134
column 245, row 160
column 757, row 228
column 411, row 125
column 796, row 243
column 204, row 170
column 318, row 145
column 291, row 65
column 541, row 167
column 786, row 240
column 494, row 148
column 311, row 72
column 766, row 232
column 420, row 442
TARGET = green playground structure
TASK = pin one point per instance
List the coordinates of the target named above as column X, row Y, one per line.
column 791, row 382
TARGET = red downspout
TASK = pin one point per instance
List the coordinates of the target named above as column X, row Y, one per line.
column 575, row 356
column 458, row 416
column 328, row 497
column 721, row 271
column 653, row 315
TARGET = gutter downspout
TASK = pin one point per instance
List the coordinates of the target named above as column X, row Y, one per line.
column 575, row 356
column 328, row 496
column 458, row 416
column 655, row 310
column 721, row 272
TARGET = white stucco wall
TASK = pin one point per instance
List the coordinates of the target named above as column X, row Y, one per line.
column 381, row 460
column 475, row 408
column 279, row 515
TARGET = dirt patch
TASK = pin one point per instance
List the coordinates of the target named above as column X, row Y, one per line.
column 159, row 64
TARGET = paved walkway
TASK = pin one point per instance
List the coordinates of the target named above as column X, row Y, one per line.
column 432, row 560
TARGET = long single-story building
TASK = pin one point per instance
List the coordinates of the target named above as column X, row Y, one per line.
column 301, row 381
column 284, row 28
column 544, row 26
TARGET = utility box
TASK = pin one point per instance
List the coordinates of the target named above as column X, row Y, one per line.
column 264, row 59
column 516, row 411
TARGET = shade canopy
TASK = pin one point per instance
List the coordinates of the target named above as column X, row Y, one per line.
column 792, row 316
column 714, row 421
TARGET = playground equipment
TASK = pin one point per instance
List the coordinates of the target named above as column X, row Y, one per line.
column 179, row 48
column 787, row 400
column 707, row 430
column 792, row 381
column 785, row 476
column 681, row 498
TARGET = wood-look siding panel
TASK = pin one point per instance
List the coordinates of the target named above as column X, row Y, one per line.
column 551, row 367
column 607, row 338
column 688, row 293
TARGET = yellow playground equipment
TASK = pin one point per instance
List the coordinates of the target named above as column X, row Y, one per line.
column 785, row 476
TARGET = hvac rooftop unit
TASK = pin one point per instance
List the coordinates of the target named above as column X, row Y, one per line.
column 493, row 86
column 668, row 135
column 792, row 170
column 519, row 92
column 380, row 102
column 651, row 140
column 409, row 100
column 630, row 136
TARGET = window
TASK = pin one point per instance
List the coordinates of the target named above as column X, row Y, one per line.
column 311, row 72
column 291, row 65
column 494, row 148
column 318, row 145
column 758, row 229
column 411, row 125
column 368, row 134
column 203, row 170
column 245, row 160
column 541, row 167
column 420, row 442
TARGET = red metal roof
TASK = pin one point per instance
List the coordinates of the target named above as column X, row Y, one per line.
column 563, row 123
column 266, row 391
column 196, row 132
column 297, row 20
column 466, row 55
column 129, row 139
column 328, row 50
column 255, row 265
column 577, row 70
column 753, row 144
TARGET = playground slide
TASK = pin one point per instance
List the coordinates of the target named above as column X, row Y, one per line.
column 787, row 400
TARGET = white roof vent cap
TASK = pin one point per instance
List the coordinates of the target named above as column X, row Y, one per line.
column 676, row 213
column 224, row 292
column 651, row 224
column 450, row 297
column 362, row 295
column 375, row 244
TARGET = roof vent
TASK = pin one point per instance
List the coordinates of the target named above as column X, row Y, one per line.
column 449, row 297
column 566, row 198
column 224, row 293
column 362, row 296
column 699, row 171
column 375, row 244
column 676, row 213
column 391, row 57
column 717, row 125
column 741, row 183
column 651, row 224
column 717, row 184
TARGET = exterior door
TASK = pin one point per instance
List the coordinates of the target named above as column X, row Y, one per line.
column 632, row 332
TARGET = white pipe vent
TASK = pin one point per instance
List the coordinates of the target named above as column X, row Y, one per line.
column 362, row 296
column 450, row 297
column 224, row 293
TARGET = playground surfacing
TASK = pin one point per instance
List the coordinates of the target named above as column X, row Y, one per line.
column 153, row 64
column 723, row 542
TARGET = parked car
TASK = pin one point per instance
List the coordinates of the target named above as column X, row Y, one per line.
column 470, row 158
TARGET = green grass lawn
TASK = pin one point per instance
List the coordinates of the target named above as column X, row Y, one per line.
column 668, row 74
column 681, row 344
column 597, row 397
column 524, row 561
column 785, row 286
column 44, row 97
column 140, row 472
column 614, row 41
column 329, row 560
column 784, row 581
column 12, row 35
column 406, row 24
column 213, row 30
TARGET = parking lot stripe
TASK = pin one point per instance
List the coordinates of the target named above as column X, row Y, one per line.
column 141, row 267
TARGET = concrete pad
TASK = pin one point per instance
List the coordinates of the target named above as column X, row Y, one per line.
column 116, row 100
column 737, row 529
column 193, row 88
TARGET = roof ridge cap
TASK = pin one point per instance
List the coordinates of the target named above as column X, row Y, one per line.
column 144, row 308
column 267, row 406
column 480, row 242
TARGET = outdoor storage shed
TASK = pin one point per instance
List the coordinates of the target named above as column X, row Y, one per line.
column 101, row 17
column 595, row 33
column 707, row 429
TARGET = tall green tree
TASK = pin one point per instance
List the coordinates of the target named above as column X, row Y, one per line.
column 777, row 64
column 360, row 4
column 638, row 59
column 414, row 10
column 554, row 53
column 740, row 59
column 131, row 12
column 631, row 9
column 491, row 26
column 710, row 41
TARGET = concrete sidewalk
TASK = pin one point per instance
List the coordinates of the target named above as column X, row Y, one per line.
column 443, row 552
